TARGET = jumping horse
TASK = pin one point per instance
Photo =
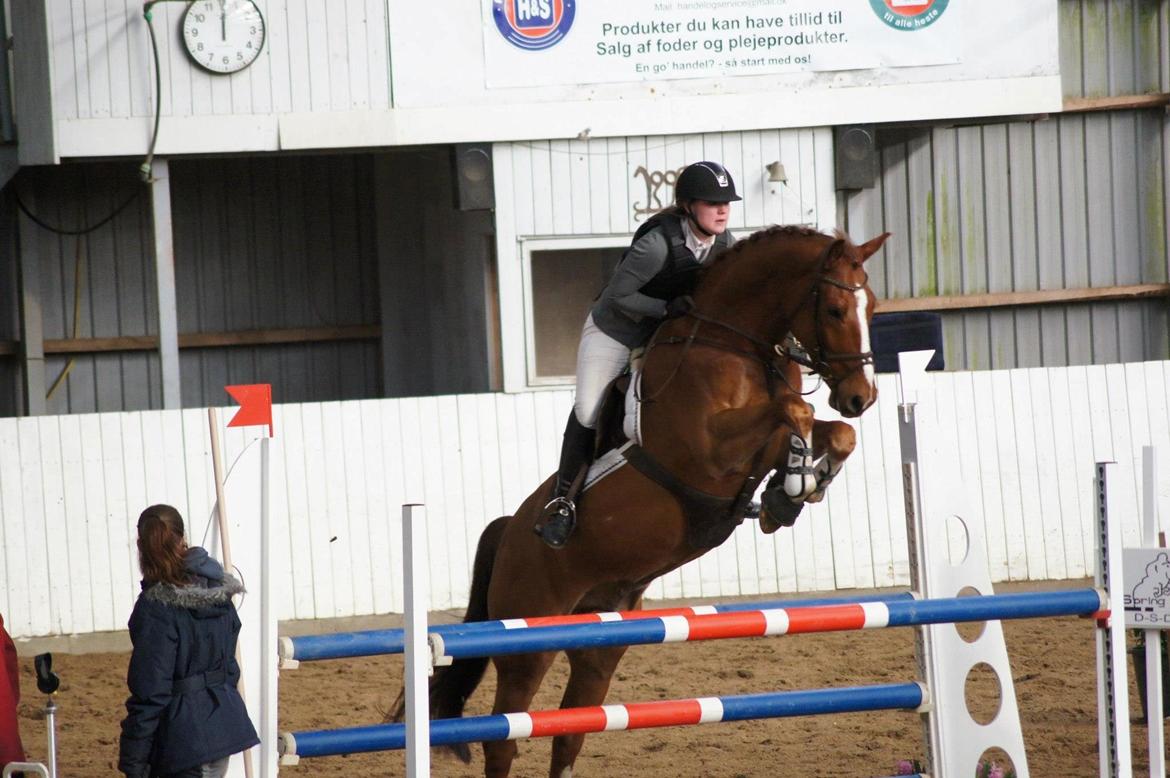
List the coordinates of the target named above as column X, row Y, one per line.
column 725, row 412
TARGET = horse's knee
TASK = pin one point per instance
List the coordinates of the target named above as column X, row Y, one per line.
column 842, row 441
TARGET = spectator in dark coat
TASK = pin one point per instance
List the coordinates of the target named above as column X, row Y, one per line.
column 185, row 716
column 11, row 749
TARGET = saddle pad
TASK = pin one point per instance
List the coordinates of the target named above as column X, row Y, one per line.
column 605, row 464
column 632, row 420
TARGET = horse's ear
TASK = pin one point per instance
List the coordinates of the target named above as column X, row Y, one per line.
column 835, row 251
column 870, row 247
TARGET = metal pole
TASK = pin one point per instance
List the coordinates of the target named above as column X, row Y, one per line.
column 418, row 653
column 1153, row 637
column 51, row 726
column 1112, row 690
column 268, row 626
column 164, row 264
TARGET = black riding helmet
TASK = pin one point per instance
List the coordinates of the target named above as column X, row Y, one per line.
column 708, row 181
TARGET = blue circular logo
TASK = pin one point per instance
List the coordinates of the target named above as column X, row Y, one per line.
column 533, row 24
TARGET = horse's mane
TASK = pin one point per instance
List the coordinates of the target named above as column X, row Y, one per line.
column 776, row 230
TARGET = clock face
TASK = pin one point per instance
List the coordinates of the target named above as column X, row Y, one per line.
column 223, row 36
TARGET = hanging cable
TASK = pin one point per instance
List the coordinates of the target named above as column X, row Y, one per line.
column 80, row 231
column 78, row 261
column 144, row 168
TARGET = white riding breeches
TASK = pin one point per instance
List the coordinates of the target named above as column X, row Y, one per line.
column 600, row 359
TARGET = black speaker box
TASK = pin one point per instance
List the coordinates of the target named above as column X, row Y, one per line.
column 471, row 165
column 855, row 156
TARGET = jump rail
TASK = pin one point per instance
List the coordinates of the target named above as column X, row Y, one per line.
column 776, row 621
column 378, row 642
column 604, row 718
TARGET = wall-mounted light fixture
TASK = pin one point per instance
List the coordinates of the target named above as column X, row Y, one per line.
column 776, row 172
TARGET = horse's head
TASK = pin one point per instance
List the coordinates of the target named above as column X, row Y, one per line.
column 833, row 324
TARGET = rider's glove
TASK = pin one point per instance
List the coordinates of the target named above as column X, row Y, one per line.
column 679, row 306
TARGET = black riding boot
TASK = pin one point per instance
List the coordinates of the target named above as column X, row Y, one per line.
column 560, row 514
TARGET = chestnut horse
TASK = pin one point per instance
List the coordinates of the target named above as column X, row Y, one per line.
column 720, row 419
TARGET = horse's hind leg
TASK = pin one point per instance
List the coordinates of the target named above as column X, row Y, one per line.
column 589, row 677
column 517, row 679
column 833, row 442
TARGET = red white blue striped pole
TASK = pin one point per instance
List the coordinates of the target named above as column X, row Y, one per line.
column 608, row 718
column 777, row 621
column 378, row 642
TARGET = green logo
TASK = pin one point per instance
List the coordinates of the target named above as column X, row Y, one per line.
column 909, row 15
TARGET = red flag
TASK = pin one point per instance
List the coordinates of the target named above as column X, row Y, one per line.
column 255, row 405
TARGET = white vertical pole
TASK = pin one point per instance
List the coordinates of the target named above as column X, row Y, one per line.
column 1113, row 741
column 268, row 627
column 417, row 651
column 911, row 369
column 164, row 267
column 1153, row 636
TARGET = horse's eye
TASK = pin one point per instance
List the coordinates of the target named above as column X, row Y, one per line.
column 837, row 313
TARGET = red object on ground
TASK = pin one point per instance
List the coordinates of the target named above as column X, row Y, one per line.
column 11, row 749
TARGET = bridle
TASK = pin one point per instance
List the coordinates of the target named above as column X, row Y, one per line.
column 816, row 359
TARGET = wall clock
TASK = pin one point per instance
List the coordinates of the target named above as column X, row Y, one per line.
column 223, row 36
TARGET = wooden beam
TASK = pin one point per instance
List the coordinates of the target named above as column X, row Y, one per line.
column 1115, row 103
column 958, row 302
column 206, row 339
column 964, row 302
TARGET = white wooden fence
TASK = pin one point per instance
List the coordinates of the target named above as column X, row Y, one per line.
column 71, row 488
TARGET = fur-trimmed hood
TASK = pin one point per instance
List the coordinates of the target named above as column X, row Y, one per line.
column 210, row 586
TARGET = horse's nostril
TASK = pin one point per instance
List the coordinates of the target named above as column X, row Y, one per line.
column 856, row 403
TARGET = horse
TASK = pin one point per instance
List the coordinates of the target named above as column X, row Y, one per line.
column 721, row 418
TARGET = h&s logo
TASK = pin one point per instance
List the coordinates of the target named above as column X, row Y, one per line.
column 533, row 24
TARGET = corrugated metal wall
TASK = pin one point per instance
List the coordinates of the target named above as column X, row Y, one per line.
column 10, row 391
column 276, row 242
column 109, row 272
column 260, row 243
column 1077, row 200
column 437, row 264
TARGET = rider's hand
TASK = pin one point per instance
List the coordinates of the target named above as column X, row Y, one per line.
column 679, row 306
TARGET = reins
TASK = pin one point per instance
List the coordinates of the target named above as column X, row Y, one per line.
column 819, row 360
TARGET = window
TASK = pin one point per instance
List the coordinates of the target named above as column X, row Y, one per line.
column 563, row 278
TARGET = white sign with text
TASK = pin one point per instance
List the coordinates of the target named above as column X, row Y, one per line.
column 1147, row 587
column 546, row 42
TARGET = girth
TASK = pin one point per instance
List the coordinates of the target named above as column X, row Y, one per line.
column 710, row 519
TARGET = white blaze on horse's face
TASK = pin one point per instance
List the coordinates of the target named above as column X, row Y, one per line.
column 862, row 297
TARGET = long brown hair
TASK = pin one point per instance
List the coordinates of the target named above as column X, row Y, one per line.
column 161, row 546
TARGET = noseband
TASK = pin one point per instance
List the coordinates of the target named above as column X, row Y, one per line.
column 819, row 360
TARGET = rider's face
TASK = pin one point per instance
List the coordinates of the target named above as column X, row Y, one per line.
column 711, row 216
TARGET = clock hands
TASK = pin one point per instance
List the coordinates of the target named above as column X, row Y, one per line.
column 223, row 19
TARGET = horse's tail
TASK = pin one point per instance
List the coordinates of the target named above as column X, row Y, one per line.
column 453, row 684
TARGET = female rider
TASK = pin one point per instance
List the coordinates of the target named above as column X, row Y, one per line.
column 653, row 281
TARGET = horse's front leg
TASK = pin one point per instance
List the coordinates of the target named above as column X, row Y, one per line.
column 833, row 442
column 740, row 433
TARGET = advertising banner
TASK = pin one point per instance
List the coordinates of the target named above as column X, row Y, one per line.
column 550, row 42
